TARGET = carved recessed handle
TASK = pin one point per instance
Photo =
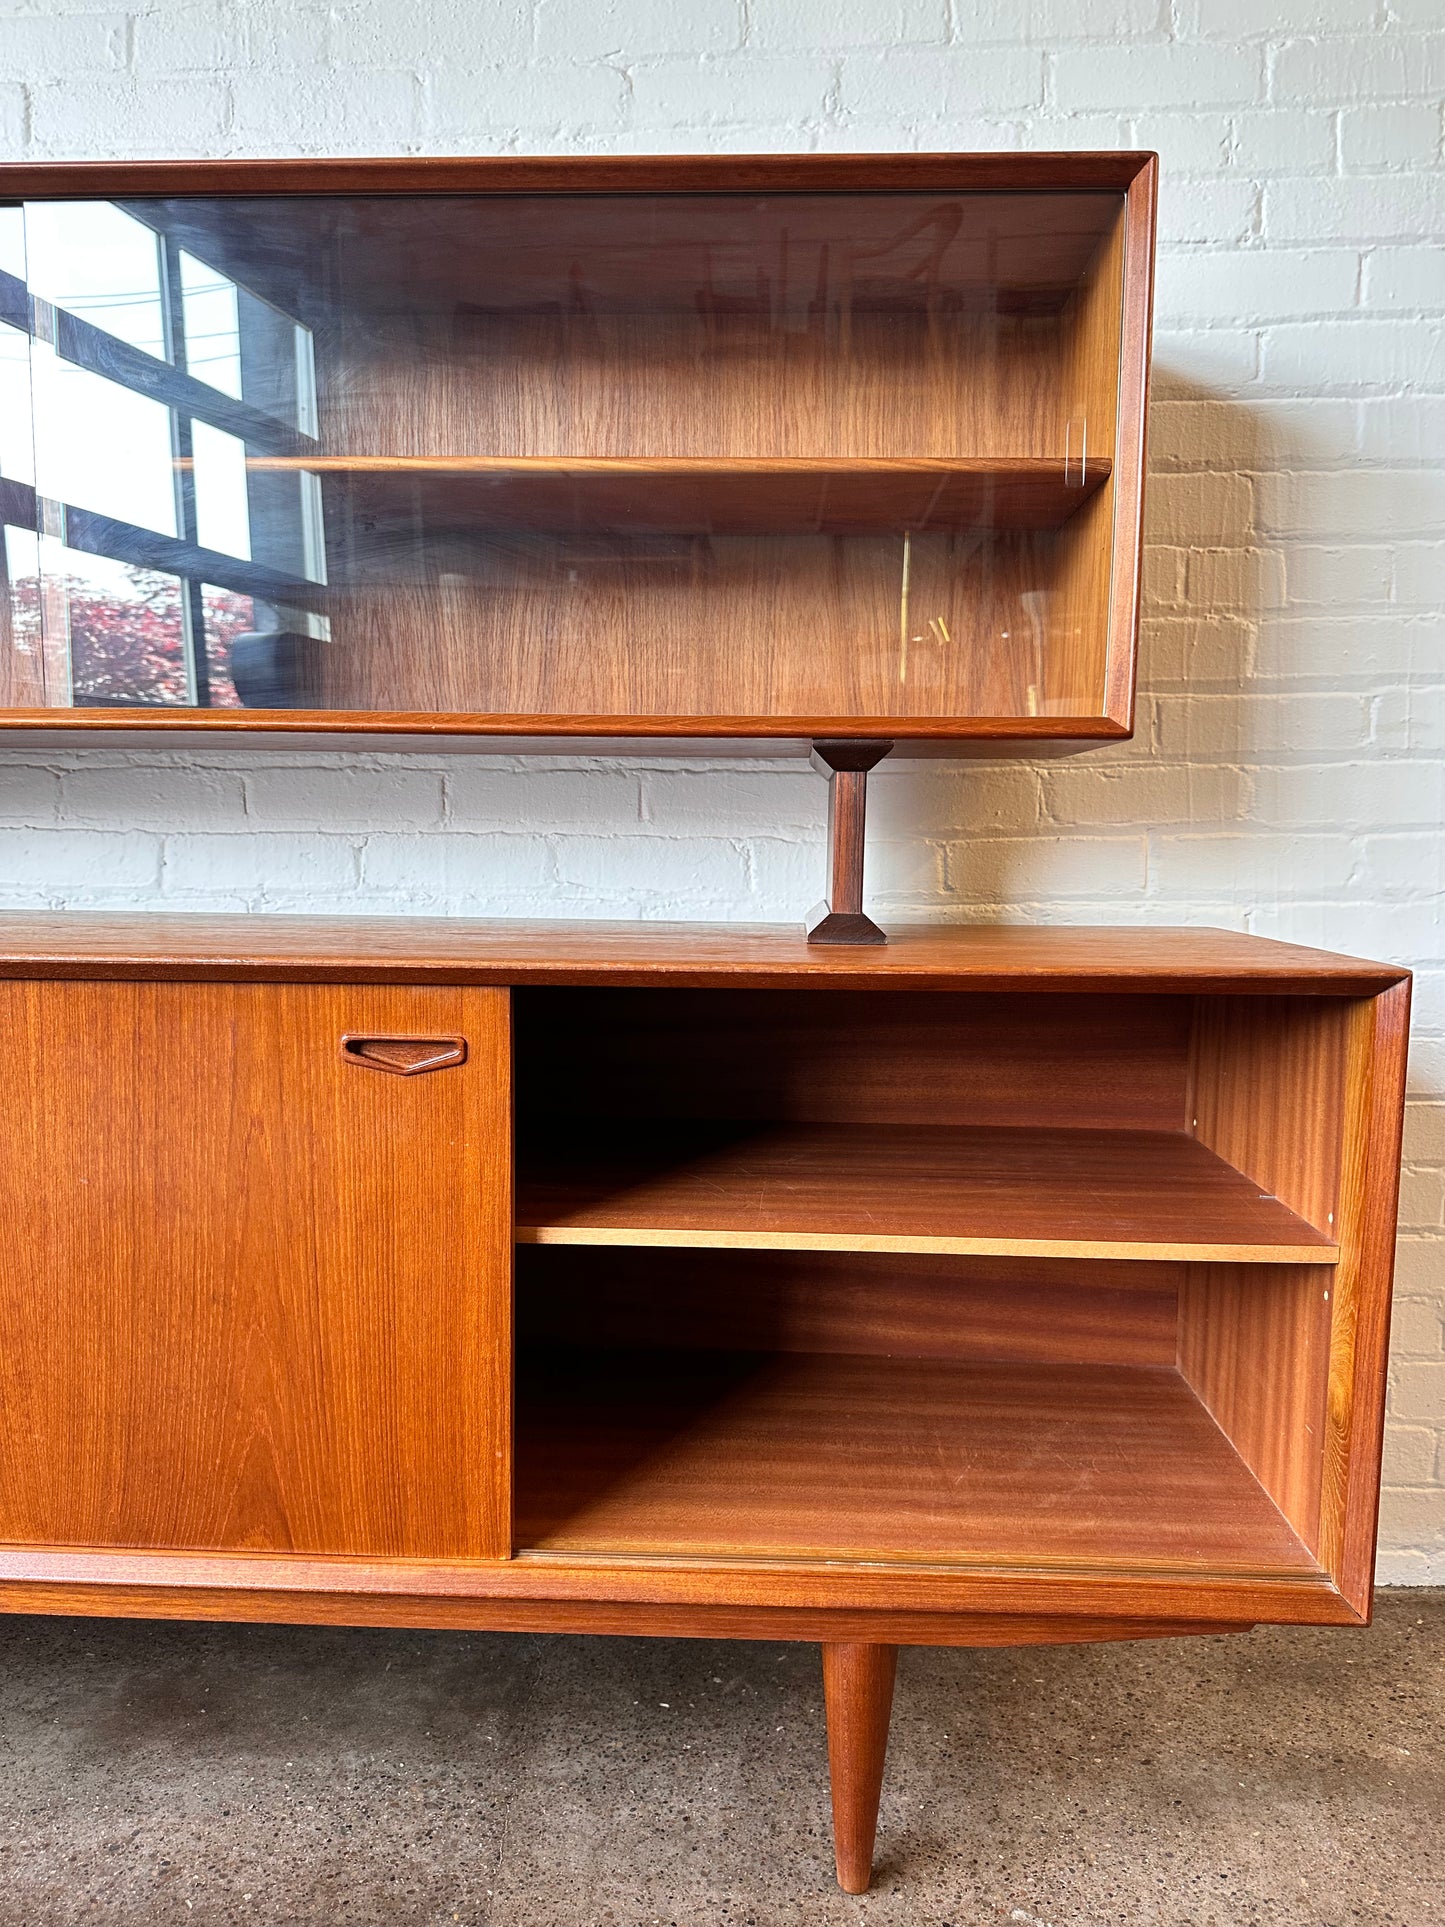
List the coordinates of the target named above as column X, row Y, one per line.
column 403, row 1056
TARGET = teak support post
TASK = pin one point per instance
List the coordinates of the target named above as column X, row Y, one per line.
column 839, row 917
column 858, row 1694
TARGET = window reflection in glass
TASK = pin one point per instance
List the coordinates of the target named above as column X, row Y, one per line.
column 307, row 414
column 212, row 324
column 227, row 615
column 222, row 516
column 17, row 437
column 97, row 262
column 124, row 627
column 100, row 446
column 22, row 662
column 12, row 241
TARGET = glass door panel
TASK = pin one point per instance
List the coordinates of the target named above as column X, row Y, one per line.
column 694, row 456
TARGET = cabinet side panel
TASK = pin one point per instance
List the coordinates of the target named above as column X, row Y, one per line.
column 257, row 1297
column 1254, row 1343
column 1360, row 1332
column 1088, row 403
column 1267, row 1093
column 1131, row 442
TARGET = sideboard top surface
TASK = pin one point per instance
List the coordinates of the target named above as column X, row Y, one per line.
column 144, row 946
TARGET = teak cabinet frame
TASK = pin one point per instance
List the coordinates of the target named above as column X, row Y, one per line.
column 258, row 1325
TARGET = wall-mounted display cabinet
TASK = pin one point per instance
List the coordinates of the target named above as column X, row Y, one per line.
column 1000, row 1286
column 702, row 448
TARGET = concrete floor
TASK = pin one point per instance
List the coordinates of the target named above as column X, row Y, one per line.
column 215, row 1774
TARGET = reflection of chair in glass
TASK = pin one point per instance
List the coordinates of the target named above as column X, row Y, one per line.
column 268, row 668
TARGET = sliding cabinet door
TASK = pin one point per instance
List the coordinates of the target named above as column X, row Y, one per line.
column 256, row 1279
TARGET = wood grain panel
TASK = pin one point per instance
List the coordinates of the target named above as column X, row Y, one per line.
column 457, row 950
column 1101, row 1313
column 1131, row 442
column 1084, row 555
column 864, row 1058
column 1071, row 171
column 256, row 1297
column 461, row 1614
column 1254, row 1343
column 1372, row 1120
column 905, row 382
column 907, row 1188
column 1267, row 1088
column 878, row 627
column 784, row 260
column 572, row 734
column 664, row 1585
column 826, row 1457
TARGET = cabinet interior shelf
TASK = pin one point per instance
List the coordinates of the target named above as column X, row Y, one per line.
column 722, row 495
column 952, row 1190
column 808, row 1455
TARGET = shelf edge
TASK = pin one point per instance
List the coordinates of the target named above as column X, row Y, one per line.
column 923, row 1246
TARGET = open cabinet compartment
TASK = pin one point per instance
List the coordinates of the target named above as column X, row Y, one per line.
column 978, row 1280
column 767, row 449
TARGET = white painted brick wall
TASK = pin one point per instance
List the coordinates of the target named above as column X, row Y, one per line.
column 1286, row 777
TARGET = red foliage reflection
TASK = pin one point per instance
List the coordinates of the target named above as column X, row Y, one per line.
column 129, row 647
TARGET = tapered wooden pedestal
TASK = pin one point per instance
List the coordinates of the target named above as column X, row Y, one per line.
column 840, row 918
column 858, row 1692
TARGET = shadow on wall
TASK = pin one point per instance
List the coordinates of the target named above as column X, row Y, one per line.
column 1079, row 833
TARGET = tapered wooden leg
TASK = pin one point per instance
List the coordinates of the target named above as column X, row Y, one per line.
column 858, row 1693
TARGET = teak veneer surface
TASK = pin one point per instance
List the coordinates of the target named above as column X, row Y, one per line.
column 254, row 1297
column 908, row 1188
column 457, row 951
column 1109, row 1061
column 1019, row 1310
column 709, row 252
column 1071, row 170
column 888, row 1459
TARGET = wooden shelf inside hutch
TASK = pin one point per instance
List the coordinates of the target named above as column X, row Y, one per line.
column 700, row 495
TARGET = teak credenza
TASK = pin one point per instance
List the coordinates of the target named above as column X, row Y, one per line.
column 1000, row 1286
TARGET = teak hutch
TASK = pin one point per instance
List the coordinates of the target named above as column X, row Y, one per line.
column 989, row 1287
column 839, row 451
